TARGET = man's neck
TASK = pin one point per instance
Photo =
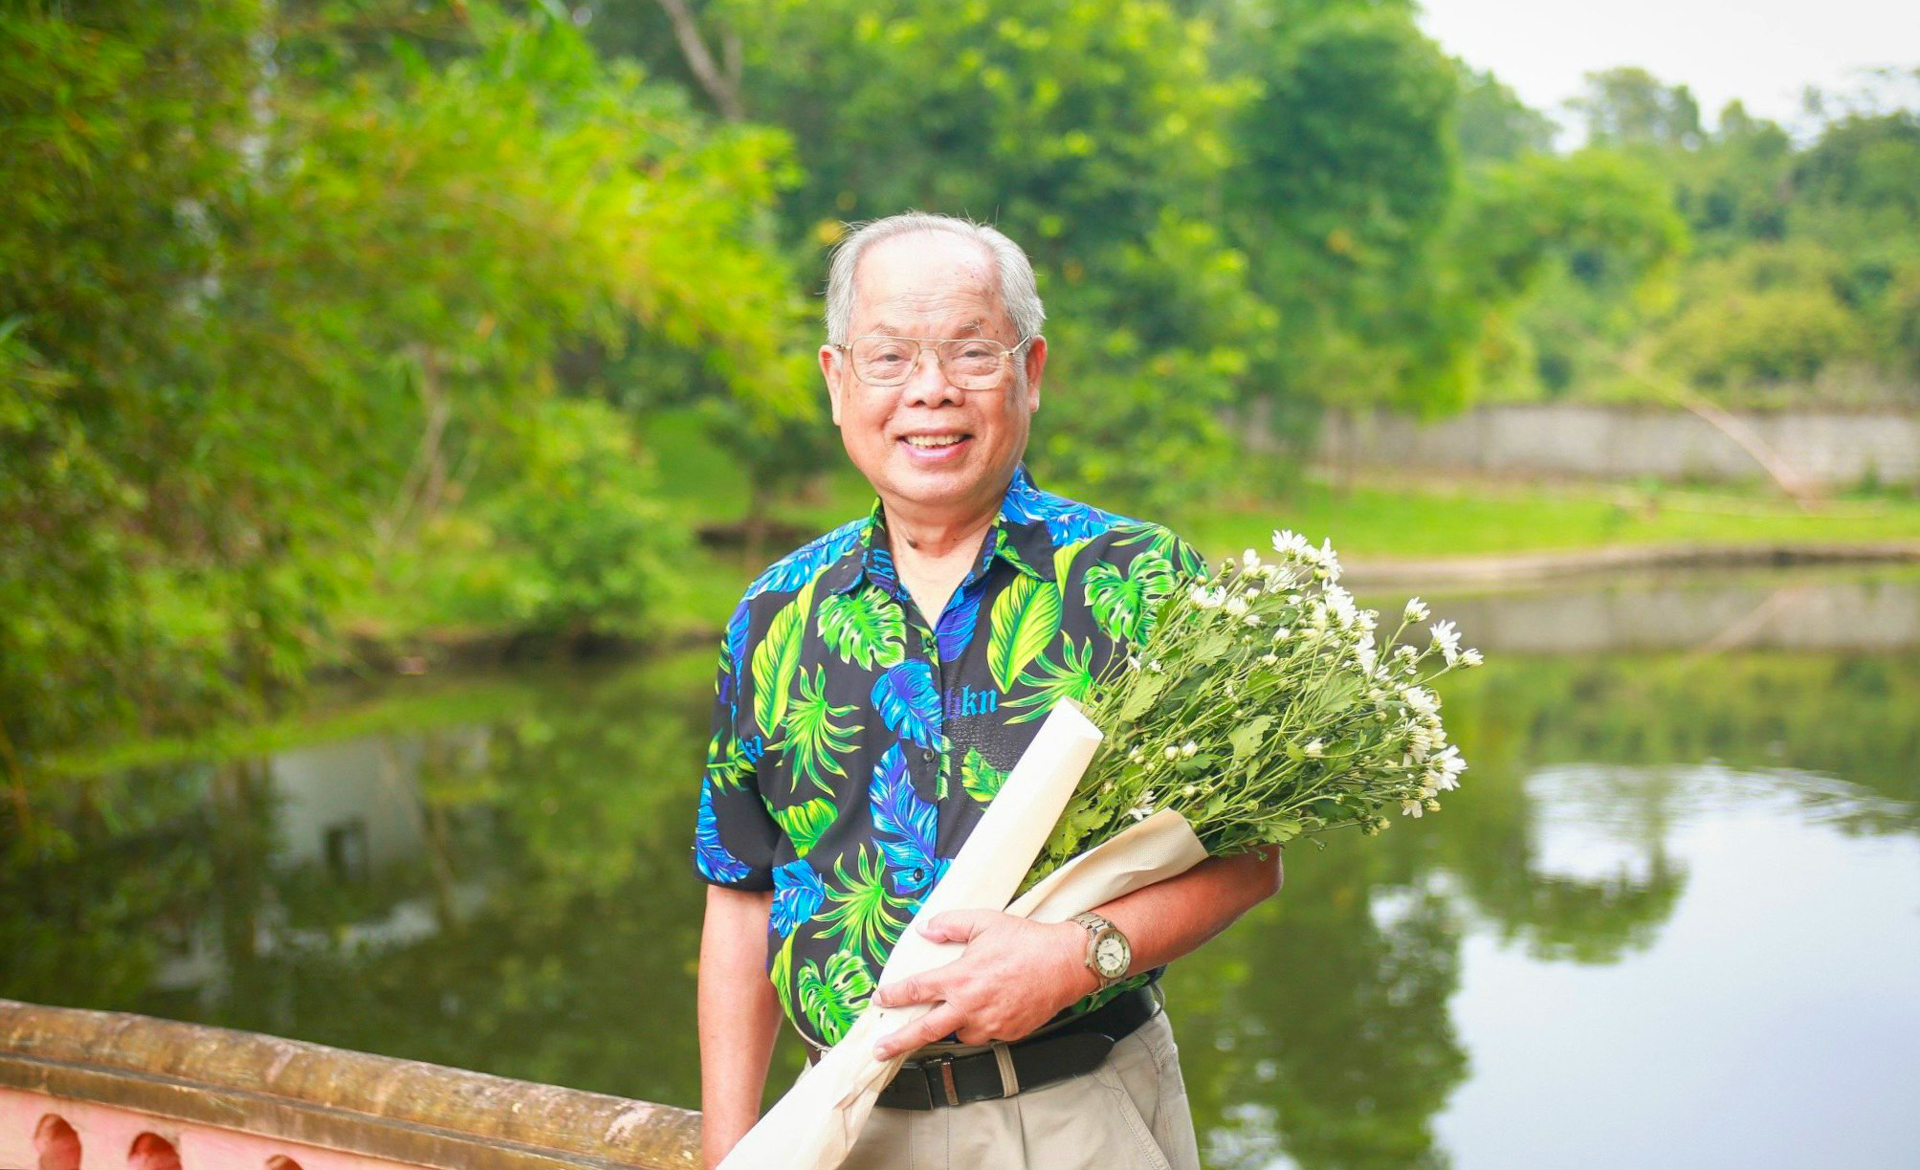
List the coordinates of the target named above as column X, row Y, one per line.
column 932, row 554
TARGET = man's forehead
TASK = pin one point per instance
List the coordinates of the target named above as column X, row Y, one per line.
column 927, row 274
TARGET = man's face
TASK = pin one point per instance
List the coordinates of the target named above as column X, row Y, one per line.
column 927, row 444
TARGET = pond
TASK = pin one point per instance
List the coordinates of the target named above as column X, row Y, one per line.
column 1672, row 918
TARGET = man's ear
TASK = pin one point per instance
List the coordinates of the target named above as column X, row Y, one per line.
column 830, row 359
column 1036, row 364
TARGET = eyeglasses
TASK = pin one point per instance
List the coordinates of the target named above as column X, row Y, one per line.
column 969, row 363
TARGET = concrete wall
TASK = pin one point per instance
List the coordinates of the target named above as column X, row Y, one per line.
column 1830, row 448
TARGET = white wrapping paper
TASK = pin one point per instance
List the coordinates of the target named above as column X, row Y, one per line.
column 816, row 1124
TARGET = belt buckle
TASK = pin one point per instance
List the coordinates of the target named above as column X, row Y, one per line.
column 945, row 1064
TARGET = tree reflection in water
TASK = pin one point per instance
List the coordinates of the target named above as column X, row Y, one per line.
column 495, row 876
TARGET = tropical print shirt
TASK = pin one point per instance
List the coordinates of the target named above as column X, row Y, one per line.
column 855, row 744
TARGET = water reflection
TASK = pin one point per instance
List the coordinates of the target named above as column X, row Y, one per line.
column 497, row 878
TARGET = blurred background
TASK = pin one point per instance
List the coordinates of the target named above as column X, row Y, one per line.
column 396, row 396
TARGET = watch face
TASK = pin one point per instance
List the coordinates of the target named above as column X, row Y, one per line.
column 1112, row 956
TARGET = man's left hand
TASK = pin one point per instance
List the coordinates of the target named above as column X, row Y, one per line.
column 1014, row 976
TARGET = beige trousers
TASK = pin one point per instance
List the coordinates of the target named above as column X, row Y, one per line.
column 1131, row 1112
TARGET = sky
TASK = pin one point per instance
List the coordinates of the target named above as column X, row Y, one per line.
column 1764, row 52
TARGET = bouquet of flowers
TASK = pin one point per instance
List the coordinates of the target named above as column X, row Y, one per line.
column 1260, row 709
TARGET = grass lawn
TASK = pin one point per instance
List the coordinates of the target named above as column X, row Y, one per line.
column 1385, row 519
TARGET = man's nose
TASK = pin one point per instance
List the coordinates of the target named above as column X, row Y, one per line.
column 927, row 383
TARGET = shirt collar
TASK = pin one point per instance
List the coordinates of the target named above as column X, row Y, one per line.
column 1016, row 536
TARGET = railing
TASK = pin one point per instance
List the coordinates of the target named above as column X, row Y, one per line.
column 82, row 1090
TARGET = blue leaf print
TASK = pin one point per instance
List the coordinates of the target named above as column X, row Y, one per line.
column 956, row 625
column 797, row 894
column 1072, row 522
column 715, row 862
column 802, row 564
column 1024, row 502
column 1066, row 520
column 907, row 826
column 736, row 650
column 907, row 701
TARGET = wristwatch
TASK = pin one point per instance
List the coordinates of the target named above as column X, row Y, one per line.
column 1109, row 954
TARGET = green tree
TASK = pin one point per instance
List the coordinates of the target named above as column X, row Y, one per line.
column 1627, row 105
column 1493, row 124
column 277, row 286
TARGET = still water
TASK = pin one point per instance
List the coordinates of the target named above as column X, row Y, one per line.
column 1672, row 918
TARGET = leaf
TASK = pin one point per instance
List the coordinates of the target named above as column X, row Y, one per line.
column 813, row 741
column 1071, row 678
column 1147, row 686
column 1125, row 606
column 1025, row 618
column 1246, row 737
column 797, row 894
column 981, row 779
column 1063, row 562
column 864, row 627
column 1339, row 693
column 1210, row 647
column 956, row 624
column 908, row 703
column 804, row 824
column 776, row 658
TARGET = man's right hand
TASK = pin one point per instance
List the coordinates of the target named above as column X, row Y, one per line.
column 739, row 1017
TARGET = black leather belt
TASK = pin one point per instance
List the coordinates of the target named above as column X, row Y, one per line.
column 1075, row 1046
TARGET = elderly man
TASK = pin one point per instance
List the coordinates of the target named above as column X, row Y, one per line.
column 874, row 688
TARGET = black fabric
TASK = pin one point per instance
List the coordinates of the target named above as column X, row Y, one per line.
column 1069, row 1050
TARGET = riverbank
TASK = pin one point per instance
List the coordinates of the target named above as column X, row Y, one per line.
column 1398, row 531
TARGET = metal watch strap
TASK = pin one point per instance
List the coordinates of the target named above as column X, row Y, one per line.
column 1096, row 925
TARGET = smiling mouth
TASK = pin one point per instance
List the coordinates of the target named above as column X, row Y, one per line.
column 933, row 442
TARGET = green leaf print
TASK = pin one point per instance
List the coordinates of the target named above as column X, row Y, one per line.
column 1026, row 616
column 1063, row 562
column 833, row 1001
column 1124, row 605
column 727, row 762
column 812, row 741
column 1003, row 547
column 862, row 907
column 1071, row 678
column 805, row 824
column 1160, row 539
column 776, row 658
column 864, row 627
column 981, row 779
column 778, row 974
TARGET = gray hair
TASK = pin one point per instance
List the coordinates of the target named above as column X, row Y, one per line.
column 1017, row 291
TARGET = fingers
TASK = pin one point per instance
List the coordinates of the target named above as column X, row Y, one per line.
column 958, row 925
column 928, row 1028
column 918, row 989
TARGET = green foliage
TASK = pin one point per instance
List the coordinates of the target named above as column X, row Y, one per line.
column 1627, row 105
column 1492, row 124
column 577, row 542
column 281, row 290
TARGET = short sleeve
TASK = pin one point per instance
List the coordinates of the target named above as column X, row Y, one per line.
column 1147, row 563
column 734, row 838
